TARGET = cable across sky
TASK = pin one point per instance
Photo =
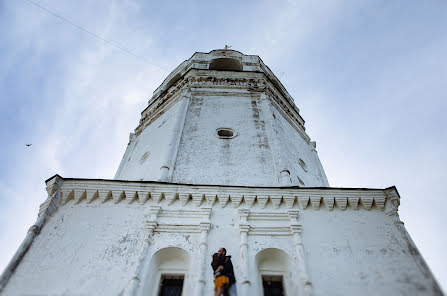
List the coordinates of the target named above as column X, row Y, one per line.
column 96, row 35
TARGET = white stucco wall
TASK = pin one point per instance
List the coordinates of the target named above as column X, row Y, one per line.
column 82, row 250
column 265, row 144
column 95, row 248
column 293, row 148
column 153, row 140
column 204, row 158
column 362, row 253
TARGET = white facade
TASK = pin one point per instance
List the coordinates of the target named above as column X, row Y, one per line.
column 220, row 159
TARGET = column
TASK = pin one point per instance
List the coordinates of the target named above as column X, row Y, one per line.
column 295, row 229
column 283, row 174
column 205, row 226
column 134, row 283
column 167, row 167
column 244, row 227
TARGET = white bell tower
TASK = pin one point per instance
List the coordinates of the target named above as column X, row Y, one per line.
column 220, row 158
column 222, row 118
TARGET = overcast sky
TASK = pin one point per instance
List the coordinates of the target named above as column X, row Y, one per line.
column 370, row 79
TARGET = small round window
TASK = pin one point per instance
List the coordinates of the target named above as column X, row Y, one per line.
column 302, row 164
column 226, row 133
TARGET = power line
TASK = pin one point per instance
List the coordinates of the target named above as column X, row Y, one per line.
column 95, row 35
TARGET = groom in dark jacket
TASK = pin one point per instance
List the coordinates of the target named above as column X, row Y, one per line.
column 226, row 268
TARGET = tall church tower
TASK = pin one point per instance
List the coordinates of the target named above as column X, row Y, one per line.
column 220, row 158
column 222, row 118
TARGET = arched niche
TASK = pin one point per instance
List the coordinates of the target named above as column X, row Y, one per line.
column 274, row 265
column 226, row 64
column 168, row 263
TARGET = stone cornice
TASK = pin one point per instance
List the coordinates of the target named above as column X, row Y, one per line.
column 251, row 63
column 239, row 82
column 77, row 191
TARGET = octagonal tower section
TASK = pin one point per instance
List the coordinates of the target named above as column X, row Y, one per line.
column 222, row 118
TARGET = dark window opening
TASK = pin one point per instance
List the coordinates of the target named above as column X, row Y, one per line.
column 272, row 285
column 171, row 285
column 225, row 133
column 226, row 64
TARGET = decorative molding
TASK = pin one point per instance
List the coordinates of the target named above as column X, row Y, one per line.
column 391, row 194
column 267, row 216
column 156, row 223
column 85, row 191
column 329, row 202
column 236, row 200
column 176, row 228
column 184, row 198
column 367, row 202
column 304, row 201
column 276, row 200
column 380, row 202
column 197, row 198
column 180, row 213
column 210, row 198
column 289, row 200
column 342, row 202
column 270, row 230
column 54, row 199
column 256, row 227
column 223, row 199
column 262, row 200
column 249, row 200
column 196, row 79
column 315, row 201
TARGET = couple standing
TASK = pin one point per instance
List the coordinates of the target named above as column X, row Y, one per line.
column 224, row 281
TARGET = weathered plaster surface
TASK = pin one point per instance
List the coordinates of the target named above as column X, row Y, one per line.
column 80, row 250
column 154, row 142
column 207, row 159
column 194, row 102
column 351, row 238
column 295, row 148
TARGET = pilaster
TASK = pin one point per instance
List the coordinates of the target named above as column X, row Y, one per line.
column 134, row 283
column 244, row 228
column 205, row 226
column 295, row 229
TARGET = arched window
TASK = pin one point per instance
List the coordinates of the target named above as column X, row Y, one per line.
column 274, row 271
column 168, row 273
column 226, row 64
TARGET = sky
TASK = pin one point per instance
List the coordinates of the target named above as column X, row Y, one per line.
column 370, row 79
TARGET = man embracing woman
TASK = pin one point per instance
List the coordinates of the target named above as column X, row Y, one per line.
column 224, row 281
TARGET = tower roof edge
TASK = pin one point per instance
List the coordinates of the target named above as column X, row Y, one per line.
column 222, row 60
